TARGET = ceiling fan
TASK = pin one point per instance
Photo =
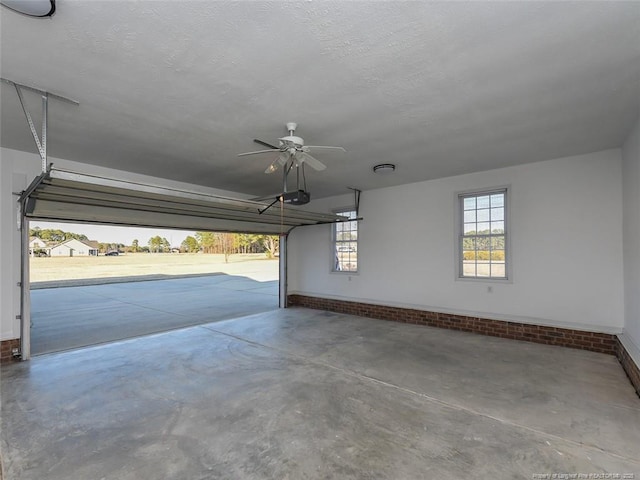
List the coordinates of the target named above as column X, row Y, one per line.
column 291, row 150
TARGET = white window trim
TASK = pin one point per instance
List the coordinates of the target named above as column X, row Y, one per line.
column 332, row 243
column 508, row 234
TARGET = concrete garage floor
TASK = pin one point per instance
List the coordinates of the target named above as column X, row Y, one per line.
column 296, row 393
column 72, row 317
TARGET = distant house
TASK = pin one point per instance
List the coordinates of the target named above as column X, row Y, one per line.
column 36, row 244
column 74, row 248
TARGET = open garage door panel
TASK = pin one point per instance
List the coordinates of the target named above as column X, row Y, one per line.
column 70, row 196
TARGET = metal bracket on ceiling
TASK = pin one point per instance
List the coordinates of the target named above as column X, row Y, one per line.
column 356, row 200
column 41, row 141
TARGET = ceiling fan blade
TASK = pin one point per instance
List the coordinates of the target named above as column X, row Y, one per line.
column 258, row 152
column 278, row 161
column 283, row 158
column 324, row 147
column 265, row 144
column 312, row 162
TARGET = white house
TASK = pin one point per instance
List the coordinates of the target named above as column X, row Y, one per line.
column 74, row 248
column 36, row 243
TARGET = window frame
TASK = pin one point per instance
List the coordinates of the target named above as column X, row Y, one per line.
column 335, row 241
column 459, row 234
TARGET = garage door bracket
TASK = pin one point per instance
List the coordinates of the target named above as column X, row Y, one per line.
column 41, row 140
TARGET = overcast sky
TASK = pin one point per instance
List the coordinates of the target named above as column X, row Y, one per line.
column 113, row 234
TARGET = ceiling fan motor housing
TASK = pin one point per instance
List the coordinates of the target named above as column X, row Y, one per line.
column 292, row 141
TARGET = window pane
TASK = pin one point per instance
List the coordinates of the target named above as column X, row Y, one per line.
column 483, row 269
column 497, row 242
column 498, row 270
column 497, row 214
column 469, row 269
column 483, row 215
column 483, row 202
column 483, row 243
column 497, row 256
column 469, row 216
column 497, row 227
column 469, row 243
column 470, row 203
column 469, row 228
column 483, row 228
column 497, row 200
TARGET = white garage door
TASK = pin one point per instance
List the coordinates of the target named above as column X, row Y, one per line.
column 69, row 196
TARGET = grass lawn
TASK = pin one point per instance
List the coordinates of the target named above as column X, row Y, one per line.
column 47, row 269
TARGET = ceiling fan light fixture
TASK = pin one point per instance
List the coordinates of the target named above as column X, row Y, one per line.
column 32, row 8
column 384, row 168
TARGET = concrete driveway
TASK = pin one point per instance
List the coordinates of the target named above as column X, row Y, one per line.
column 73, row 317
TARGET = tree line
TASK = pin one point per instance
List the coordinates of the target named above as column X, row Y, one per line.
column 484, row 245
column 55, row 235
column 206, row 242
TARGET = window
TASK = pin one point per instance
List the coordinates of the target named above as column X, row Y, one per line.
column 345, row 243
column 482, row 244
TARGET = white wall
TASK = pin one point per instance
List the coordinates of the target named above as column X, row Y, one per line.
column 13, row 178
column 566, row 238
column 17, row 170
column 631, row 236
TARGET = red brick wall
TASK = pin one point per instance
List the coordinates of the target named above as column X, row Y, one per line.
column 596, row 342
column 632, row 370
column 6, row 350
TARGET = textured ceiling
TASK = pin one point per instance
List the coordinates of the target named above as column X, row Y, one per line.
column 177, row 89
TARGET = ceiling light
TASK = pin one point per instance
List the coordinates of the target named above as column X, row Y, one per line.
column 33, row 8
column 384, row 168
